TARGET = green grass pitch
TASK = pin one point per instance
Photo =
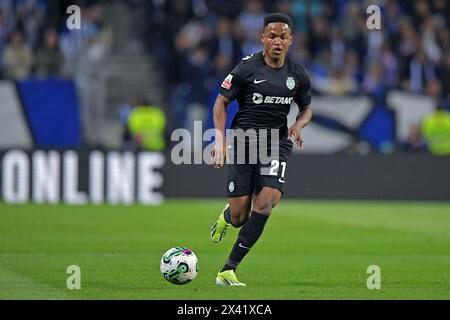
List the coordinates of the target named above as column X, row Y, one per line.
column 309, row 250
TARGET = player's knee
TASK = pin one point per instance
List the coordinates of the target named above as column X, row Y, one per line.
column 240, row 220
column 265, row 207
column 239, row 217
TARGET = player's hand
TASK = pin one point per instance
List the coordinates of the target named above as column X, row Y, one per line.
column 219, row 155
column 295, row 136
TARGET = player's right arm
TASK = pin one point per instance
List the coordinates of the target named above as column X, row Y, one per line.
column 219, row 151
column 229, row 90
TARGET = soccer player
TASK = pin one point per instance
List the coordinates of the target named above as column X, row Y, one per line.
column 264, row 85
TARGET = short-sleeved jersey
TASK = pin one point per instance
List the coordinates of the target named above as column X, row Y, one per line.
column 264, row 93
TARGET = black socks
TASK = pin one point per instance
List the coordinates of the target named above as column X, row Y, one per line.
column 248, row 235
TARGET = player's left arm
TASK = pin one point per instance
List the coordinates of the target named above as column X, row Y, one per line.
column 303, row 118
column 303, row 100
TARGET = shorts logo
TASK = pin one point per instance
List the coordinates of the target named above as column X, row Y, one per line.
column 226, row 84
column 231, row 186
column 290, row 83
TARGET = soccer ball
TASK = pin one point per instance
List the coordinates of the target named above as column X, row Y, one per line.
column 179, row 265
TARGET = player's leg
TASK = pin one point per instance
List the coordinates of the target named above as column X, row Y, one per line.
column 269, row 185
column 236, row 212
column 266, row 200
column 250, row 232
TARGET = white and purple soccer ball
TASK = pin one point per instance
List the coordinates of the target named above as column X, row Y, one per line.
column 179, row 265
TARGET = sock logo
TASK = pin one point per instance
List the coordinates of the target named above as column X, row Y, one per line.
column 242, row 246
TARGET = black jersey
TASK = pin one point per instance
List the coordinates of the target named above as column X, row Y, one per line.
column 264, row 94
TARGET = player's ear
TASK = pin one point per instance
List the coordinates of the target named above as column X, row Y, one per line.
column 263, row 36
column 291, row 36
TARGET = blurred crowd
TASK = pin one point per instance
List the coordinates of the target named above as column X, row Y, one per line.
column 199, row 42
column 35, row 42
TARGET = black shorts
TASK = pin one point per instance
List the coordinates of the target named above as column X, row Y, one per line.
column 249, row 178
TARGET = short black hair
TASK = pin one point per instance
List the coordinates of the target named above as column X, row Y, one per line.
column 278, row 17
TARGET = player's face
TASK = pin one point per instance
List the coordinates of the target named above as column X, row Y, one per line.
column 276, row 39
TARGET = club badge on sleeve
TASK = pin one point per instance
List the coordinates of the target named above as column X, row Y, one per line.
column 226, row 84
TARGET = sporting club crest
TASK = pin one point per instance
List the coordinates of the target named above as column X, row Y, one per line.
column 290, row 83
